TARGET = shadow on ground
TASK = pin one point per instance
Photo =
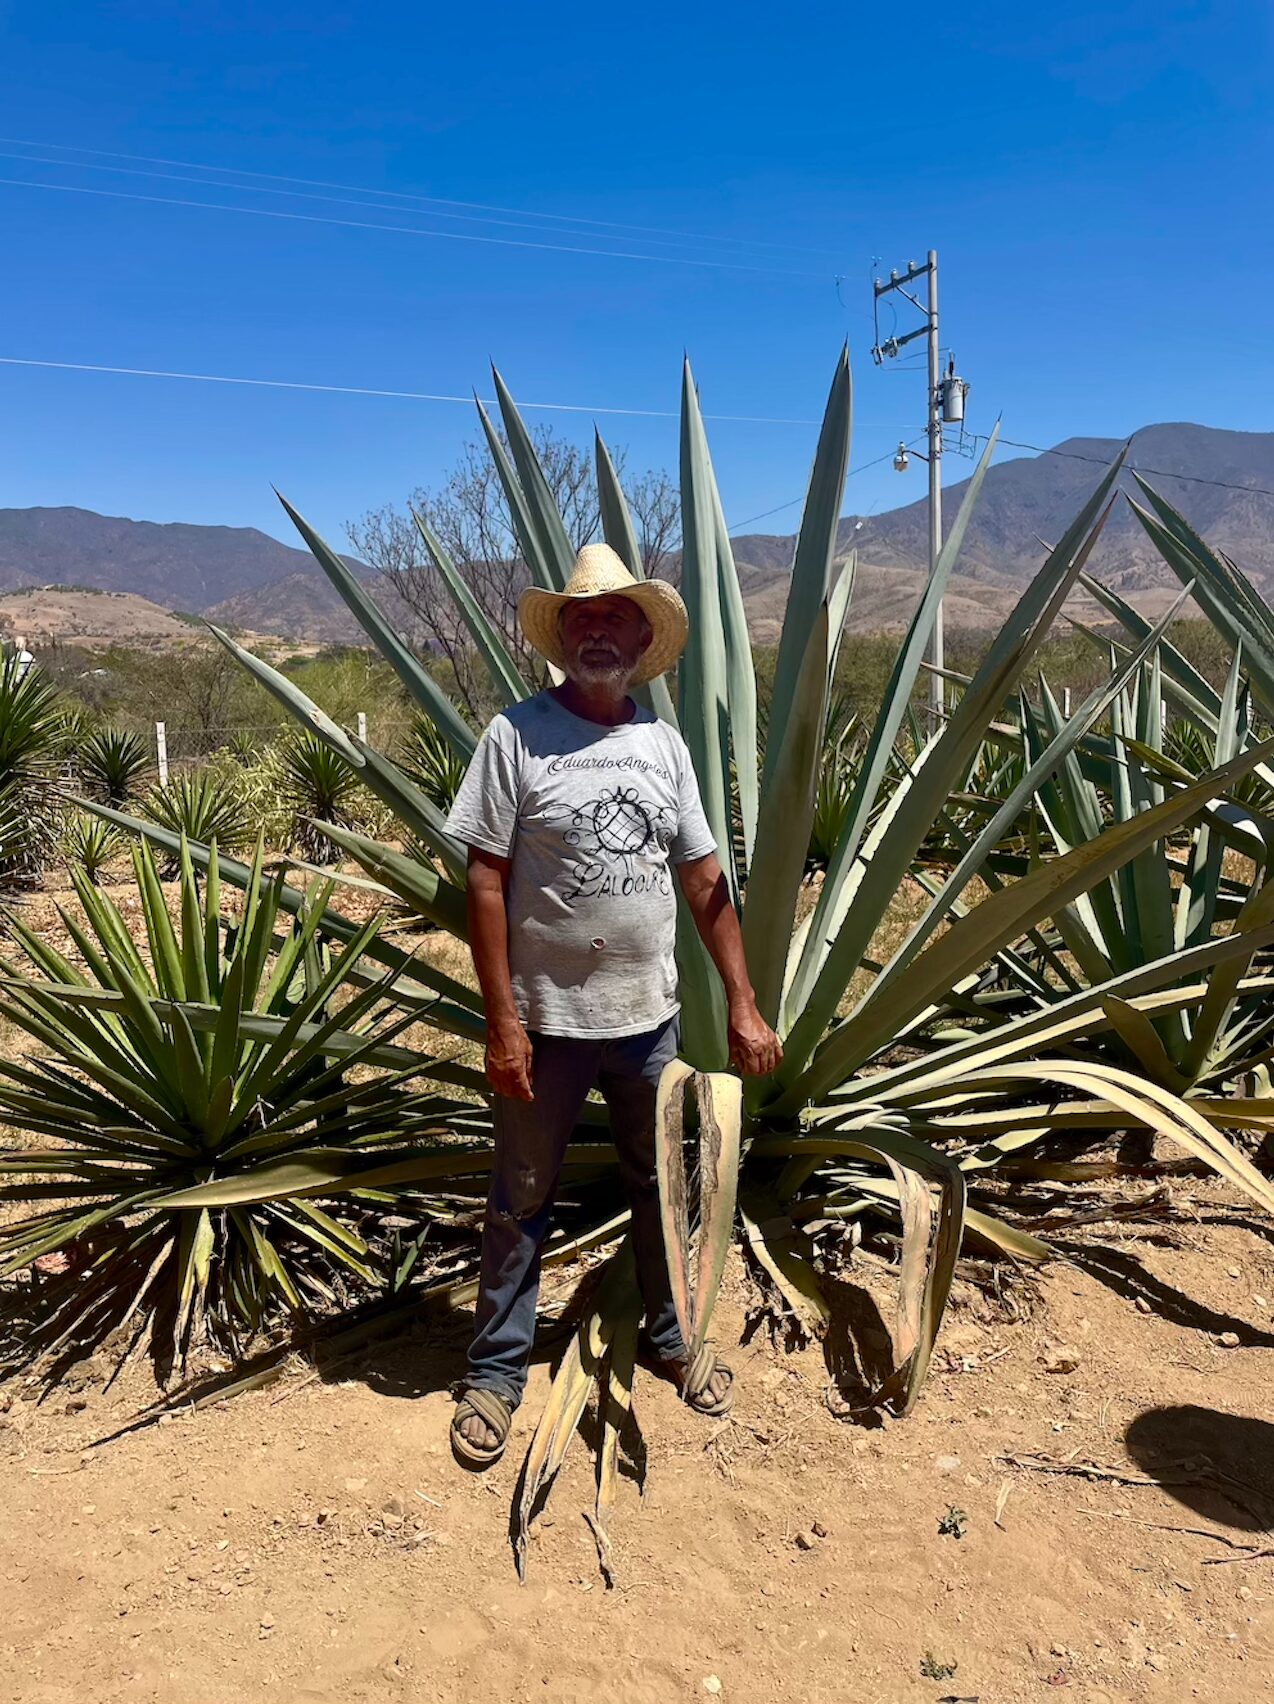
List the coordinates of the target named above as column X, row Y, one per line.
column 1219, row 1465
column 1127, row 1276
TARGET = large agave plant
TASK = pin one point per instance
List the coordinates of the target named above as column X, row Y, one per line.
column 896, row 1100
column 194, row 1098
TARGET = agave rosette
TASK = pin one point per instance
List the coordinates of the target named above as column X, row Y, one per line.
column 897, row 1100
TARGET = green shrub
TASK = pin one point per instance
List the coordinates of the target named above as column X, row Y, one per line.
column 112, row 762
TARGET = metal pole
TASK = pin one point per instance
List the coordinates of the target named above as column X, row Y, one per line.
column 937, row 650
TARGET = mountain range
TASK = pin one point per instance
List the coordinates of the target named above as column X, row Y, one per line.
column 243, row 577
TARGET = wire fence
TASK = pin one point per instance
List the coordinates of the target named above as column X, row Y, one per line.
column 189, row 743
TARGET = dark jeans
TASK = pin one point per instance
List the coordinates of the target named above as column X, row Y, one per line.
column 530, row 1142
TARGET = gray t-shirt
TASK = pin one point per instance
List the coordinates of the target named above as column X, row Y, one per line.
column 591, row 817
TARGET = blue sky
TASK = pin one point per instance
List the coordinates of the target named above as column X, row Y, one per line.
column 1096, row 185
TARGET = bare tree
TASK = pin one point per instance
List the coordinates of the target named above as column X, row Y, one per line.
column 471, row 520
column 655, row 505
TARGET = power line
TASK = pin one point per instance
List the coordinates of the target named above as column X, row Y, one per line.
column 401, row 395
column 1155, row 472
column 395, row 194
column 402, row 230
column 793, row 501
column 337, row 200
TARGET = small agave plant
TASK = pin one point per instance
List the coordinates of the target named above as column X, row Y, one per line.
column 894, row 1100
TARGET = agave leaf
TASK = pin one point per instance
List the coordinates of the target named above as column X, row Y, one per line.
column 704, row 706
column 616, row 1405
column 999, row 919
column 328, row 1171
column 1141, row 1038
column 674, row 1200
column 377, row 772
column 1154, row 1106
column 740, row 680
column 621, row 536
column 1201, row 879
column 812, row 573
column 786, row 1255
column 838, row 610
column 298, row 703
column 720, row 1132
column 1056, row 1025
column 413, row 807
column 545, row 570
column 833, row 901
column 1196, row 695
column 554, row 546
column 783, row 831
column 1224, row 983
column 414, row 883
column 979, row 1226
column 1093, row 707
column 332, row 923
column 926, row 1274
column 617, row 520
column 617, row 1301
column 501, row 669
column 420, row 684
column 947, row 761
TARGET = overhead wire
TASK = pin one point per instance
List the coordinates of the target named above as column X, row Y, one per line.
column 401, row 395
column 355, row 200
column 404, row 230
column 398, row 195
column 793, row 501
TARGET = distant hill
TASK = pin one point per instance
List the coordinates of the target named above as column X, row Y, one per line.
column 1037, row 496
column 175, row 564
column 93, row 621
column 243, row 577
column 78, row 616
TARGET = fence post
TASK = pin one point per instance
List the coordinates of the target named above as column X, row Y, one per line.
column 362, row 726
column 161, row 752
column 1066, row 702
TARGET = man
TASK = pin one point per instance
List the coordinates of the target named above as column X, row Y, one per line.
column 578, row 808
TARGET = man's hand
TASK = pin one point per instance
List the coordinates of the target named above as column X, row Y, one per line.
column 509, row 1060
column 755, row 1050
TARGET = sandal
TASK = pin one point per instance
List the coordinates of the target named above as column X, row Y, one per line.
column 494, row 1411
column 692, row 1379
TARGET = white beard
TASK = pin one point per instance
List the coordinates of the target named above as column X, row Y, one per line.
column 612, row 675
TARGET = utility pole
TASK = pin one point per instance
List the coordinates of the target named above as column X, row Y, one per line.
column 946, row 403
column 937, row 642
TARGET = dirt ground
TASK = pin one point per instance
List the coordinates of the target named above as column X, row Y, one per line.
column 314, row 1543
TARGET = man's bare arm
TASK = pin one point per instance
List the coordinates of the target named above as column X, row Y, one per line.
column 754, row 1047
column 508, row 1045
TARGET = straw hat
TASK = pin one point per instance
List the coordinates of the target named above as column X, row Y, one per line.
column 599, row 572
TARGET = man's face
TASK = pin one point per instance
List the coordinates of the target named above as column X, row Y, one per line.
column 603, row 639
